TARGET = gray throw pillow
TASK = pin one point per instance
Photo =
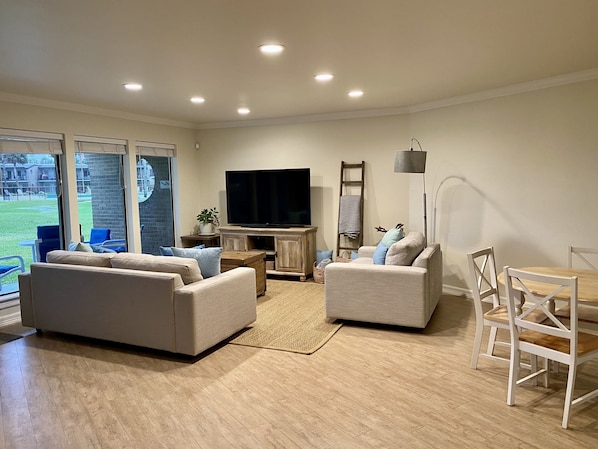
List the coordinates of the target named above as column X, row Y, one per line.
column 405, row 250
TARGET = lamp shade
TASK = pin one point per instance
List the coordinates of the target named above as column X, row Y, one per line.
column 410, row 161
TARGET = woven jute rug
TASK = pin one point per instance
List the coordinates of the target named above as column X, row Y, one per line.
column 290, row 317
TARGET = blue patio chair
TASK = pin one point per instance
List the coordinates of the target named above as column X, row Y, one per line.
column 99, row 239
column 98, row 235
column 48, row 239
column 5, row 270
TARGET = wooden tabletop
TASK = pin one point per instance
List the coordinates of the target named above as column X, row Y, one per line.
column 587, row 280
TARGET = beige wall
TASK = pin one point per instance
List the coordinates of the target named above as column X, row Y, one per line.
column 320, row 146
column 528, row 163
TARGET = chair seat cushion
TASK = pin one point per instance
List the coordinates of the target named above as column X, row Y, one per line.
column 7, row 268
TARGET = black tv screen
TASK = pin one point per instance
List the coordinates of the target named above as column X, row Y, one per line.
column 262, row 198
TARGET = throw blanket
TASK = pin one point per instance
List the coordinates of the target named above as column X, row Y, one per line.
column 349, row 223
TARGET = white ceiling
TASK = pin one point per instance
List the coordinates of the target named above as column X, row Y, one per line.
column 401, row 53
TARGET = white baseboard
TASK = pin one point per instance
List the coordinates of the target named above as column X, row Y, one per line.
column 11, row 318
column 456, row 291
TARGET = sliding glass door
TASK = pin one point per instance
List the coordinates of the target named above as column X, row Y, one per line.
column 100, row 191
column 30, row 201
column 154, row 191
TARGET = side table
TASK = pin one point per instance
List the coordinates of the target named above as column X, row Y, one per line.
column 252, row 259
column 189, row 241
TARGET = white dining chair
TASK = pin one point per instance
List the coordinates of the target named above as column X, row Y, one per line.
column 584, row 255
column 553, row 339
column 586, row 315
column 484, row 288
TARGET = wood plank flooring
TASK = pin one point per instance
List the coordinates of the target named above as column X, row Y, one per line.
column 368, row 387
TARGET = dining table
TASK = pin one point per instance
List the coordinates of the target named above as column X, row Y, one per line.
column 587, row 282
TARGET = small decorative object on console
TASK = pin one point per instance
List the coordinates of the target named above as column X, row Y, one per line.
column 208, row 218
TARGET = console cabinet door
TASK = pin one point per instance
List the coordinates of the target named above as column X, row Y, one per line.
column 289, row 253
column 234, row 242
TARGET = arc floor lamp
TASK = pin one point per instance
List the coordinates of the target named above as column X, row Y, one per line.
column 414, row 162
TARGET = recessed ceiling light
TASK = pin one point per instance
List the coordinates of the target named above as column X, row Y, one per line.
column 271, row 49
column 243, row 111
column 355, row 93
column 323, row 77
column 198, row 100
column 133, row 86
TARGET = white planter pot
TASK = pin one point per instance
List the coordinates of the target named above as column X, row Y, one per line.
column 206, row 228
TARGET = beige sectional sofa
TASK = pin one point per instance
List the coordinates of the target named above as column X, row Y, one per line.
column 151, row 301
column 404, row 292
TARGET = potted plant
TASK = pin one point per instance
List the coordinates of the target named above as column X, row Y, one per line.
column 208, row 218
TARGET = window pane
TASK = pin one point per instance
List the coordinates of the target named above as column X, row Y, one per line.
column 101, row 199
column 155, row 203
column 29, row 199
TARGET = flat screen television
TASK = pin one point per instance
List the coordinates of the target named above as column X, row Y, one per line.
column 268, row 198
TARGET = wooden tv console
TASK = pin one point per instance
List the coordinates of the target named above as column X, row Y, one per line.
column 289, row 251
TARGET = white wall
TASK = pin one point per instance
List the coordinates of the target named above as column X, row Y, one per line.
column 529, row 164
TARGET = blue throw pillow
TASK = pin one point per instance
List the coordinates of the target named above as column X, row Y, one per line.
column 166, row 251
column 392, row 236
column 208, row 259
column 321, row 255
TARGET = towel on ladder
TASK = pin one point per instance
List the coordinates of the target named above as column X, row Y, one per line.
column 349, row 220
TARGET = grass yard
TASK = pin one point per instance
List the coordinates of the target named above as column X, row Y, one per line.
column 19, row 221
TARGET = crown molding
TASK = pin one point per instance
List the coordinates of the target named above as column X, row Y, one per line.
column 75, row 107
column 546, row 83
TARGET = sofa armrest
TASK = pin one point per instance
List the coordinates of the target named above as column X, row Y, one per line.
column 387, row 294
column 26, row 300
column 366, row 251
column 211, row 310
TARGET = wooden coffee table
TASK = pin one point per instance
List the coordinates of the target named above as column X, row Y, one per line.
column 253, row 259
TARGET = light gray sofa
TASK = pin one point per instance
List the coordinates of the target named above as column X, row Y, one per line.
column 386, row 294
column 151, row 301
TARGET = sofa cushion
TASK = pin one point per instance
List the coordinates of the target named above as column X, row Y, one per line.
column 390, row 237
column 187, row 268
column 208, row 259
column 79, row 258
column 405, row 250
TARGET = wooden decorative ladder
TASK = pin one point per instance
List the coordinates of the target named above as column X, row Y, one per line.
column 351, row 183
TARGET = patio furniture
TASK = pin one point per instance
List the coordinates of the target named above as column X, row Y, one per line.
column 48, row 239
column 6, row 269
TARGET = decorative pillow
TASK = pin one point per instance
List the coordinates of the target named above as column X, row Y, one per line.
column 207, row 258
column 187, row 268
column 83, row 247
column 167, row 250
column 323, row 254
column 406, row 250
column 79, row 258
column 390, row 237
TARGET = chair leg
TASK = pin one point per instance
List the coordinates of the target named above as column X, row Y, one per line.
column 477, row 343
column 533, row 359
column 569, row 394
column 514, row 366
column 492, row 340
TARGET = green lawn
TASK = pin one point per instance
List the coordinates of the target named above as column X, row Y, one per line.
column 19, row 221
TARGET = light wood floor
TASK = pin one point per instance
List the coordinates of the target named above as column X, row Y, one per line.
column 368, row 387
